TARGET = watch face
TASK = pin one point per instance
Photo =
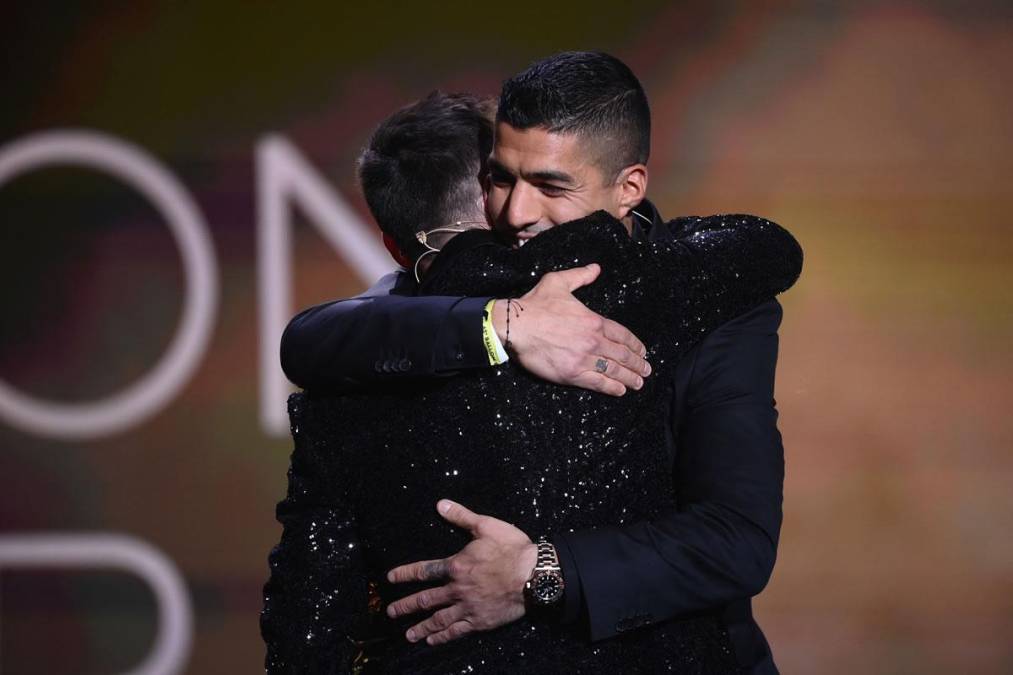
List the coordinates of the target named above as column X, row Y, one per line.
column 547, row 588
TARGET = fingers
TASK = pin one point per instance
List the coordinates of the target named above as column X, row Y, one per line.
column 559, row 339
column 595, row 381
column 439, row 621
column 421, row 601
column 619, row 373
column 459, row 629
column 458, row 515
column 621, row 357
column 423, row 570
column 618, row 333
column 574, row 278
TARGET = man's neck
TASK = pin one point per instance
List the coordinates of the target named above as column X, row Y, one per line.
column 629, row 222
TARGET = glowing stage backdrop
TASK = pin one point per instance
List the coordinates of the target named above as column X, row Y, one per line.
column 177, row 179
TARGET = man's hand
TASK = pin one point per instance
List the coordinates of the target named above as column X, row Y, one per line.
column 560, row 340
column 486, row 579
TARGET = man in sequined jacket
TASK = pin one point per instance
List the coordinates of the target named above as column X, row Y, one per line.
column 572, row 136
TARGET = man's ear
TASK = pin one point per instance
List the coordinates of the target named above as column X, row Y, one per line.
column 631, row 187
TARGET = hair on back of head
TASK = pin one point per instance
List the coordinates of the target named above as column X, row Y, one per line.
column 421, row 167
column 592, row 94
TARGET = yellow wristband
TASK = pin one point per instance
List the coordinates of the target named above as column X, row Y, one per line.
column 493, row 347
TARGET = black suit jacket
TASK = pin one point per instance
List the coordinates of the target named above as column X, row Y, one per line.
column 712, row 554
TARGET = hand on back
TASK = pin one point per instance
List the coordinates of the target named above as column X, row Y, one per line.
column 554, row 336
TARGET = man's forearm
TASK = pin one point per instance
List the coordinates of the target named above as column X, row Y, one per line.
column 368, row 339
column 378, row 337
column 696, row 560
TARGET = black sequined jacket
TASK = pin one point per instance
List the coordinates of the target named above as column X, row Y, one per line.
column 368, row 467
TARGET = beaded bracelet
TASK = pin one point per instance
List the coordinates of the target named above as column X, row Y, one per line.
column 518, row 310
column 506, row 344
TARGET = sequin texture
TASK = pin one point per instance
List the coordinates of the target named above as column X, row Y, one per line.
column 368, row 467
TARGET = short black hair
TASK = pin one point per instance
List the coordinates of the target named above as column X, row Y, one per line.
column 421, row 167
column 592, row 94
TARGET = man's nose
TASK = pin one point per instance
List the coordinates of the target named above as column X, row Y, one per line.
column 523, row 208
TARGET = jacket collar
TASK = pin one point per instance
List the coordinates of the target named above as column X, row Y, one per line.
column 647, row 222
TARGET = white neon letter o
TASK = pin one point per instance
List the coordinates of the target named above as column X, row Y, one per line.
column 157, row 387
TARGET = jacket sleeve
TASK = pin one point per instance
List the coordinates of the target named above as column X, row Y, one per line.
column 733, row 262
column 317, row 595
column 719, row 545
column 378, row 336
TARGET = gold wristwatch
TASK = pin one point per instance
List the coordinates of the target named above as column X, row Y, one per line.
column 544, row 587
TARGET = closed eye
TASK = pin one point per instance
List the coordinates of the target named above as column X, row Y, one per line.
column 498, row 174
column 550, row 190
column 501, row 178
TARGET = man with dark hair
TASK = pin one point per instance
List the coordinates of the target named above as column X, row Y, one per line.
column 437, row 149
column 557, row 155
column 593, row 95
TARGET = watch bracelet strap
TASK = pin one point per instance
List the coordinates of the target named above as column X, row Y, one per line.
column 547, row 557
